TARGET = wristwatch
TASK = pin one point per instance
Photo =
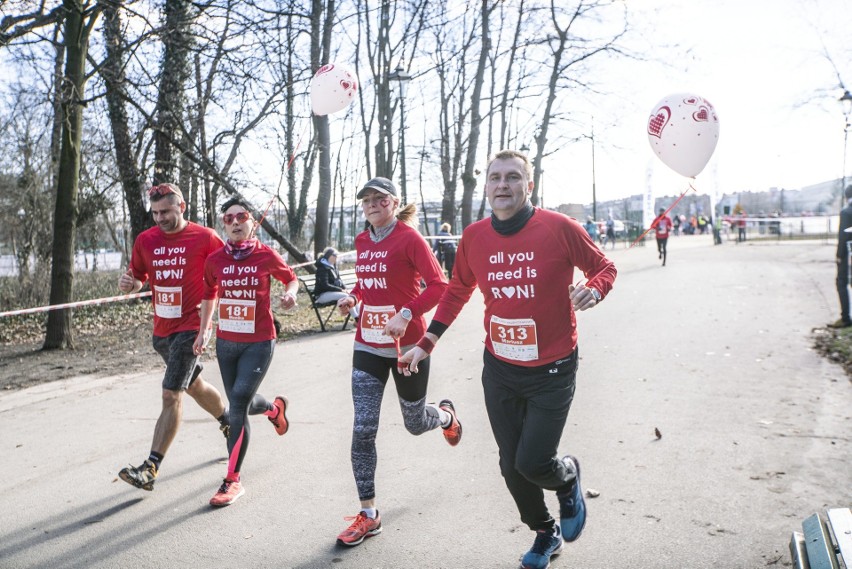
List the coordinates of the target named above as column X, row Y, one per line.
column 406, row 313
column 596, row 294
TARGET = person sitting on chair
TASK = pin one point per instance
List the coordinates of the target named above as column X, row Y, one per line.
column 329, row 287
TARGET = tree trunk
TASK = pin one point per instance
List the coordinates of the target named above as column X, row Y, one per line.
column 132, row 179
column 173, row 76
column 77, row 29
column 320, row 47
column 468, row 177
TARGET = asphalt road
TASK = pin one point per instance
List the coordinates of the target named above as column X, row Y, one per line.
column 713, row 350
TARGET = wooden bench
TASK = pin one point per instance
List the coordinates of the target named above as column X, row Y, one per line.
column 824, row 544
column 308, row 281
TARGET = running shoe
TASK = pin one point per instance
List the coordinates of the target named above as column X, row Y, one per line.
column 225, row 428
column 142, row 476
column 361, row 528
column 453, row 433
column 547, row 544
column 279, row 421
column 228, row 493
column 572, row 506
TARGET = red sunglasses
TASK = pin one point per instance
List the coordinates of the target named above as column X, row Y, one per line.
column 241, row 217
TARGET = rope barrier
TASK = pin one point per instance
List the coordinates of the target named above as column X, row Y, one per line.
column 105, row 300
column 75, row 304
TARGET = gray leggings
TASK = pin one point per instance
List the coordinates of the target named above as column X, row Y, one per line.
column 369, row 377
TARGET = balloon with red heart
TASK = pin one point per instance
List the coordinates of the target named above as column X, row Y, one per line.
column 333, row 87
column 683, row 130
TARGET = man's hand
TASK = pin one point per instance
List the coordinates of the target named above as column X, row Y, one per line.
column 127, row 283
column 411, row 358
column 581, row 297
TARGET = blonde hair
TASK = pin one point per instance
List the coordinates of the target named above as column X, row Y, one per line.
column 445, row 227
column 408, row 215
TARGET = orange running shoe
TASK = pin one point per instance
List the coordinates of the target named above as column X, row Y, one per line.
column 453, row 433
column 279, row 421
column 361, row 528
column 228, row 493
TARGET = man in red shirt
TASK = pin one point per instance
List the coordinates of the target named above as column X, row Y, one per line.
column 523, row 261
column 171, row 256
column 662, row 226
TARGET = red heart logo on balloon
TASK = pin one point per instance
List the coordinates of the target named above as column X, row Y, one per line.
column 325, row 69
column 701, row 114
column 691, row 101
column 658, row 121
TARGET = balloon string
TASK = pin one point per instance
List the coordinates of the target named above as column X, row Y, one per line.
column 296, row 149
column 262, row 217
column 657, row 219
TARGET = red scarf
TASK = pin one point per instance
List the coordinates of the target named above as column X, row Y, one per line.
column 241, row 250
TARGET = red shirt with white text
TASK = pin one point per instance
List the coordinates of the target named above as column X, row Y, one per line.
column 243, row 288
column 524, row 278
column 174, row 262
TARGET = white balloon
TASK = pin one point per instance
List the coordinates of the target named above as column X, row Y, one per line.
column 333, row 87
column 683, row 130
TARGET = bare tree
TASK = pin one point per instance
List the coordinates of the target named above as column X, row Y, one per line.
column 176, row 37
column 80, row 17
column 567, row 52
column 322, row 18
column 112, row 72
column 468, row 177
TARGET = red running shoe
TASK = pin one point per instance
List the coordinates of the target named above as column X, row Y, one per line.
column 279, row 421
column 361, row 528
column 228, row 493
column 453, row 433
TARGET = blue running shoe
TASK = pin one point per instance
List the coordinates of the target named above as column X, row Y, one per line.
column 547, row 544
column 572, row 506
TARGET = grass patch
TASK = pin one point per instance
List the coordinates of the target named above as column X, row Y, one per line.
column 835, row 345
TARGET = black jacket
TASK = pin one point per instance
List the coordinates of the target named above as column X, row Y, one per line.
column 328, row 278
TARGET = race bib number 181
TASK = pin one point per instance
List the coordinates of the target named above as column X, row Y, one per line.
column 167, row 301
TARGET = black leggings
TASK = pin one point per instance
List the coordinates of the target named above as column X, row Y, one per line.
column 527, row 408
column 243, row 366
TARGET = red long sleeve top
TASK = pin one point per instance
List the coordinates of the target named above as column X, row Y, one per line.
column 389, row 275
column 529, row 319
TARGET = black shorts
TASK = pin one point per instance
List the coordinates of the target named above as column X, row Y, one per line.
column 182, row 365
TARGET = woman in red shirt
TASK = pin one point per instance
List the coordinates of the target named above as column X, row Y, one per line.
column 392, row 260
column 239, row 276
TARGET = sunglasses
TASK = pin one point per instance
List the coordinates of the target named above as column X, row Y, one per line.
column 240, row 217
column 162, row 189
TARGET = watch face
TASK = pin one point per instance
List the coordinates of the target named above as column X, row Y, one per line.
column 406, row 313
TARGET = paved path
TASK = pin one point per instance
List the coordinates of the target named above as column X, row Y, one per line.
column 713, row 350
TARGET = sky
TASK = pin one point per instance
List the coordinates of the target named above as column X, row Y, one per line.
column 762, row 65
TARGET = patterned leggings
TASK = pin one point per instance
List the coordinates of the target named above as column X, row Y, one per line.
column 369, row 377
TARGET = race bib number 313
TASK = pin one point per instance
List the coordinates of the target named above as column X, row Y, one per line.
column 514, row 339
column 373, row 321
